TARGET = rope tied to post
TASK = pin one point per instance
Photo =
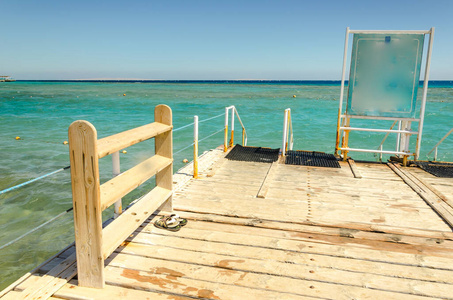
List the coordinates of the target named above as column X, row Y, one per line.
column 33, row 180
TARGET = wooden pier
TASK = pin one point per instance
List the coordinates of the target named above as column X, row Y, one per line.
column 275, row 231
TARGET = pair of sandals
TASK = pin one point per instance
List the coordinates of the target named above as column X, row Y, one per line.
column 172, row 222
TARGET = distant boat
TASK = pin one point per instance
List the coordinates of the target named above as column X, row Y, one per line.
column 6, row 79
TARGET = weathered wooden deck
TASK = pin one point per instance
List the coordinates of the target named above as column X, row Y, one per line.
column 274, row 231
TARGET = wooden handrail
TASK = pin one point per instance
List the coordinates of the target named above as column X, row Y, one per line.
column 94, row 244
column 113, row 143
column 126, row 182
column 123, row 226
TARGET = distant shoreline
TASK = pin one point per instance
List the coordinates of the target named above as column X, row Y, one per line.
column 432, row 83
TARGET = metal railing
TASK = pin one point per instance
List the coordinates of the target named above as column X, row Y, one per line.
column 437, row 145
column 229, row 144
column 381, row 145
column 287, row 132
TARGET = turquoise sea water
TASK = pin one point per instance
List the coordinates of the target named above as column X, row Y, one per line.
column 40, row 113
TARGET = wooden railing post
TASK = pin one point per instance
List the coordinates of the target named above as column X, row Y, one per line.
column 93, row 243
column 164, row 147
column 87, row 203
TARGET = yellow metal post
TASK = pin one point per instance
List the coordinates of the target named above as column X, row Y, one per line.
column 346, row 140
column 225, row 141
column 337, row 142
column 232, row 126
column 195, row 147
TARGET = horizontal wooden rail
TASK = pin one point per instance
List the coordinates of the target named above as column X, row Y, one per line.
column 116, row 142
column 126, row 182
column 123, row 226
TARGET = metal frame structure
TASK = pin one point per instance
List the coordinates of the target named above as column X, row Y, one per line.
column 226, row 144
column 404, row 124
column 288, row 140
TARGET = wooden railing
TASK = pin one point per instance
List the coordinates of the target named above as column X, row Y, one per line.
column 93, row 243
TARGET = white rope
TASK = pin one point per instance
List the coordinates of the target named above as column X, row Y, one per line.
column 33, row 180
column 180, row 150
column 185, row 126
column 211, row 118
column 210, row 135
column 183, row 149
column 34, row 229
column 174, row 130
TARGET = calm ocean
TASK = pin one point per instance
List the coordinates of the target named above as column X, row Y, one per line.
column 40, row 113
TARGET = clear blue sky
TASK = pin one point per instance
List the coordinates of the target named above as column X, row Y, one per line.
column 55, row 39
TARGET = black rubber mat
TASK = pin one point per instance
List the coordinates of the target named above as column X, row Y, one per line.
column 439, row 169
column 256, row 154
column 314, row 159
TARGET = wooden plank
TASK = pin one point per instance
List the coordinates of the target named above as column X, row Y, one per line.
column 87, row 204
column 10, row 295
column 378, row 233
column 117, row 231
column 38, row 287
column 46, row 291
column 431, row 199
column 292, row 212
column 280, row 240
column 286, row 276
column 72, row 291
column 47, row 267
column 355, row 171
column 179, row 285
column 422, row 182
column 116, row 142
column 37, row 272
column 265, row 185
column 247, row 277
column 425, row 249
column 164, row 147
column 215, row 167
column 124, row 183
column 313, row 260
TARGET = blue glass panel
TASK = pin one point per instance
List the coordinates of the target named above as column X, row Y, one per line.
column 384, row 75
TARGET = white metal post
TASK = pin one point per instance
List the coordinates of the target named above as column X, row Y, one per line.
column 425, row 92
column 290, row 126
column 343, row 75
column 232, row 125
column 195, row 146
column 285, row 132
column 398, row 137
column 380, row 154
column 403, row 137
column 115, row 172
column 225, row 140
column 408, row 136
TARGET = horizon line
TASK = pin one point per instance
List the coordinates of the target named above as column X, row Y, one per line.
column 198, row 80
